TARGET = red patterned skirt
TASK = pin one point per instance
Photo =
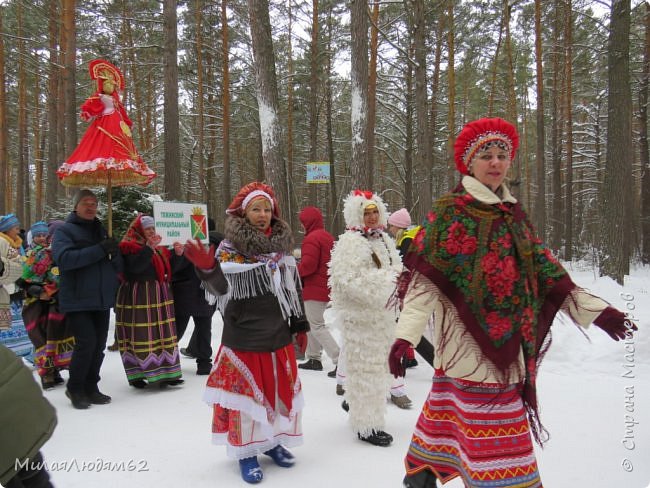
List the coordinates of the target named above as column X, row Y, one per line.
column 256, row 399
column 478, row 431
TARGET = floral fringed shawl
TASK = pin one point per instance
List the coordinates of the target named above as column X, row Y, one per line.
column 258, row 265
column 39, row 269
column 504, row 283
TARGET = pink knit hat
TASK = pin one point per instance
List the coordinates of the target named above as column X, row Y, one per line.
column 400, row 218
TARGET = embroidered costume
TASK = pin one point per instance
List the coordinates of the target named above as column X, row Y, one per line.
column 144, row 312
column 254, row 387
column 46, row 326
column 12, row 329
column 494, row 289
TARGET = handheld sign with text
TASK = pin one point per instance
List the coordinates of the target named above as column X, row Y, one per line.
column 178, row 222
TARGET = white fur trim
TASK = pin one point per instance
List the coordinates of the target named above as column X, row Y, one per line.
column 255, row 194
column 354, row 205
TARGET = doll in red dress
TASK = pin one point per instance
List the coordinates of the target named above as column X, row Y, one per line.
column 107, row 146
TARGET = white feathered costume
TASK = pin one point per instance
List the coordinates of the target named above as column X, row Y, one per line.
column 362, row 275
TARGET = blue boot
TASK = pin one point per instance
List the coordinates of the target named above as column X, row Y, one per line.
column 281, row 456
column 250, row 470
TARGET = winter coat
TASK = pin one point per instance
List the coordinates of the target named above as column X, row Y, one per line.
column 89, row 279
column 189, row 297
column 13, row 270
column 27, row 419
column 256, row 322
column 315, row 256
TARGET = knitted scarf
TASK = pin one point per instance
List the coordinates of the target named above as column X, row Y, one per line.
column 503, row 281
column 133, row 242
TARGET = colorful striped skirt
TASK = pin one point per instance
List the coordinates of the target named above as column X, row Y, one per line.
column 146, row 331
column 53, row 341
column 16, row 337
column 478, row 431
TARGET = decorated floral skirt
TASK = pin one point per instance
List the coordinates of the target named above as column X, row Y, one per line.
column 16, row 337
column 257, row 401
column 146, row 331
column 476, row 431
column 53, row 342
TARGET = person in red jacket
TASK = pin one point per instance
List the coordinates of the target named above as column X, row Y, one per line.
column 315, row 255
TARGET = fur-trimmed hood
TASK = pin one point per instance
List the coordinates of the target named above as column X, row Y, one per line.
column 250, row 241
column 356, row 202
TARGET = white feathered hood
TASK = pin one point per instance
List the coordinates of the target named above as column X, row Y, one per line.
column 356, row 202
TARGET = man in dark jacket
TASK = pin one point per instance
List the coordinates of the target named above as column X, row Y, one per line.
column 189, row 301
column 27, row 421
column 89, row 262
column 314, row 257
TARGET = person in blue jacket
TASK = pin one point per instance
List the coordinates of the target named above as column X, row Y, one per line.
column 89, row 262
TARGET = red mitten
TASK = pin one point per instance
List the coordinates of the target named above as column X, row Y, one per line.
column 614, row 322
column 198, row 255
column 301, row 340
column 400, row 346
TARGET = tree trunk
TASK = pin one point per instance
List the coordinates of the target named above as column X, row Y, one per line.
column 423, row 137
column 540, row 155
column 336, row 226
column 437, row 168
column 200, row 124
column 268, row 105
column 643, row 142
column 38, row 150
column 556, row 128
column 568, row 110
column 172, row 184
column 225, row 102
column 372, row 86
column 361, row 173
column 451, row 115
column 5, row 174
column 313, row 96
column 69, row 48
column 616, row 194
column 54, row 155
column 21, row 204
column 409, row 141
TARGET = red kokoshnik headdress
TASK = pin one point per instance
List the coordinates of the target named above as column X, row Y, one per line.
column 248, row 193
column 101, row 70
column 476, row 134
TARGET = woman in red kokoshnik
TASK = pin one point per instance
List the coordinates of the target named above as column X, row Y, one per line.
column 107, row 143
column 493, row 288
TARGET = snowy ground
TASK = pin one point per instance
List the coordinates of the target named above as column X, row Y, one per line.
column 595, row 401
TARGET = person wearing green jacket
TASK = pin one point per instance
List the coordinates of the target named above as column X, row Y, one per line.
column 27, row 421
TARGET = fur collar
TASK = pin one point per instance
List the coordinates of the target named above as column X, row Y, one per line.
column 250, row 241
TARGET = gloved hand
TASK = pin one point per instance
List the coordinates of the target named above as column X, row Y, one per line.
column 109, row 245
column 301, row 340
column 198, row 255
column 35, row 290
column 397, row 351
column 613, row 322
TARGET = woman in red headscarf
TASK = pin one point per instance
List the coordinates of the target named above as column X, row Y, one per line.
column 145, row 322
column 493, row 288
column 254, row 387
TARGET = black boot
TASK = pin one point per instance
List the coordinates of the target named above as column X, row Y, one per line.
column 79, row 400
column 312, row 364
column 204, row 368
column 421, row 479
column 98, row 398
column 377, row 438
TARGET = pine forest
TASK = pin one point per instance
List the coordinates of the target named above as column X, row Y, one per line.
column 224, row 92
